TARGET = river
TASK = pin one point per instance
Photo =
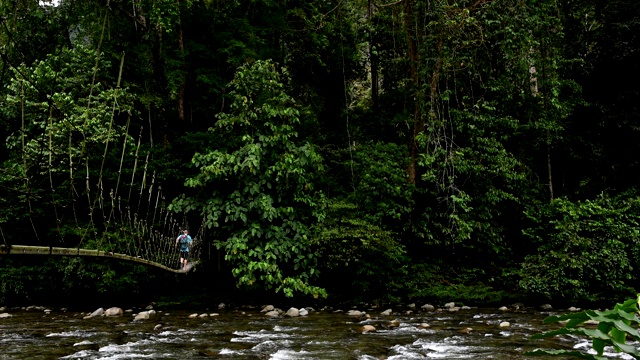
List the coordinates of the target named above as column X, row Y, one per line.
column 246, row 333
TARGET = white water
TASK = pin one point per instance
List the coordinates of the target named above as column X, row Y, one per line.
column 248, row 334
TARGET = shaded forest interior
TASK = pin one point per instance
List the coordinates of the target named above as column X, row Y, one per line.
column 478, row 151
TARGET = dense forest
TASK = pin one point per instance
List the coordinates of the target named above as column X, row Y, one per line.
column 397, row 150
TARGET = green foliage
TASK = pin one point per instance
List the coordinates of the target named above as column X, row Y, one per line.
column 381, row 191
column 585, row 250
column 360, row 258
column 73, row 280
column 60, row 128
column 437, row 283
column 615, row 328
column 258, row 190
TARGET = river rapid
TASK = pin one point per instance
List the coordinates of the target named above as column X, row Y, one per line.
column 246, row 333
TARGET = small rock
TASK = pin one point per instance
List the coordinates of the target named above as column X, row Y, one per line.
column 304, row 312
column 5, row 316
column 113, row 311
column 517, row 306
column 393, row 324
column 222, row 306
column 503, row 308
column 355, row 313
column 193, row 316
column 267, row 308
column 141, row 316
column 424, row 326
column 408, row 312
column 214, row 314
column 465, row 330
column 505, row 324
column 546, row 307
column 386, row 312
column 293, row 312
column 449, row 305
column 272, row 313
column 157, row 327
column 151, row 312
column 465, row 308
column 411, row 306
column 453, row 309
column 203, row 315
column 149, row 307
column 573, row 309
column 367, row 328
column 427, row 307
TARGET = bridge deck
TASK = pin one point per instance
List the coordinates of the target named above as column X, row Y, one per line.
column 59, row 251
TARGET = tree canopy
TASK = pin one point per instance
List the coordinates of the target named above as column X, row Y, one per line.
column 359, row 149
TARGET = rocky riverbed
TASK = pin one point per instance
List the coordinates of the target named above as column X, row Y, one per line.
column 269, row 332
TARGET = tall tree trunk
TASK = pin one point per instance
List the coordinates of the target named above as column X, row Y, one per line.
column 183, row 80
column 418, row 123
column 373, row 57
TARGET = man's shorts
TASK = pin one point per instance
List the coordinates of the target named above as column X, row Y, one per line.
column 184, row 255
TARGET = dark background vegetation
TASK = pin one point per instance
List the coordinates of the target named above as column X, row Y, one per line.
column 478, row 151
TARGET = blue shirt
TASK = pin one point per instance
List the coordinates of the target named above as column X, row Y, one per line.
column 185, row 241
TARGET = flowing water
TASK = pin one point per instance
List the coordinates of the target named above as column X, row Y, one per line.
column 249, row 334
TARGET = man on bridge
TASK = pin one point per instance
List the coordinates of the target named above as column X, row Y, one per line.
column 185, row 242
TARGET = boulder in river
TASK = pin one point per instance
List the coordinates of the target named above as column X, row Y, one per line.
column 5, row 316
column 393, row 324
column 367, row 328
column 141, row 316
column 98, row 312
column 113, row 311
column 293, row 312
